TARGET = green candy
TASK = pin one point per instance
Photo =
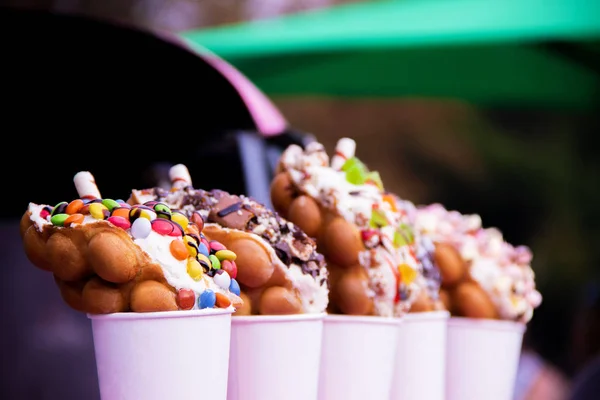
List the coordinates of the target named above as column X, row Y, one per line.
column 162, row 211
column 375, row 178
column 399, row 240
column 408, row 232
column 59, row 208
column 378, row 219
column 110, row 204
column 216, row 264
column 356, row 171
column 59, row 219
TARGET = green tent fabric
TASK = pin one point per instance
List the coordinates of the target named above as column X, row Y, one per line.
column 483, row 51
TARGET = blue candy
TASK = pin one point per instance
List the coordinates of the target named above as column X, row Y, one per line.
column 203, row 250
column 234, row 287
column 207, row 299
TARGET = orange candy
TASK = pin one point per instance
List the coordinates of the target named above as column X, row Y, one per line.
column 222, row 300
column 178, row 249
column 391, row 201
column 73, row 219
column 74, row 206
column 120, row 212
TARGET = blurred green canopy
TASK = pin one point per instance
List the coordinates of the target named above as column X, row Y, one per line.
column 507, row 52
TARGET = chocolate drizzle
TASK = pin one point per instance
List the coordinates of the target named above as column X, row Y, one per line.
column 291, row 244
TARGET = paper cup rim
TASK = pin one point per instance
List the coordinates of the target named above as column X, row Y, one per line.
column 487, row 324
column 427, row 316
column 130, row 315
column 251, row 319
column 363, row 319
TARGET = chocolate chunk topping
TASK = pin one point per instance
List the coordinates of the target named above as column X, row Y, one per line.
column 290, row 243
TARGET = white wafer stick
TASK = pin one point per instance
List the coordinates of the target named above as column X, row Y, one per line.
column 344, row 150
column 180, row 176
column 86, row 185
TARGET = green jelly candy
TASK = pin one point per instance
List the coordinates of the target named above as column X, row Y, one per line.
column 59, row 219
column 110, row 204
column 408, row 232
column 378, row 219
column 375, row 178
column 351, row 162
column 355, row 176
column 399, row 239
column 216, row 264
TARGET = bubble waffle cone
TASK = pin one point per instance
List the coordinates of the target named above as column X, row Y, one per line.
column 483, row 276
column 277, row 266
column 108, row 256
column 364, row 235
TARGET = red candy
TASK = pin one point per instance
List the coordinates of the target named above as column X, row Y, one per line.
column 230, row 267
column 162, row 226
column 44, row 213
column 186, row 299
column 120, row 222
column 205, row 242
column 198, row 220
column 216, row 246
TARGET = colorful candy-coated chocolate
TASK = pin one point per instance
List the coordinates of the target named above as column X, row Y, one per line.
column 45, row 213
column 407, row 273
column 214, row 261
column 123, row 204
column 226, row 255
column 179, row 218
column 110, row 204
column 74, row 219
column 141, row 212
column 216, row 246
column 234, row 287
column 177, row 229
column 204, row 261
column 120, row 212
column 59, row 219
column 162, row 226
column 186, row 298
column 97, row 210
column 194, row 269
column 198, row 220
column 178, row 249
column 207, row 299
column 190, row 245
column 203, row 249
column 162, row 210
column 206, row 244
column 230, row 267
column 222, row 301
column 222, row 279
column 60, row 208
column 74, row 206
column 120, row 222
column 141, row 228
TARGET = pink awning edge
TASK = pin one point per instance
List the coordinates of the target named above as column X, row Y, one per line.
column 268, row 119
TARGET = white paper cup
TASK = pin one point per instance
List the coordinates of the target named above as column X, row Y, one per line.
column 357, row 358
column 275, row 357
column 482, row 359
column 162, row 355
column 421, row 357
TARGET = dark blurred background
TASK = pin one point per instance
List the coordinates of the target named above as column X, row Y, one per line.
column 124, row 105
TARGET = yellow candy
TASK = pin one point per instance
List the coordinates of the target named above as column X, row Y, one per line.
column 204, row 260
column 180, row 219
column 407, row 273
column 97, row 210
column 194, row 269
column 226, row 255
column 190, row 245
